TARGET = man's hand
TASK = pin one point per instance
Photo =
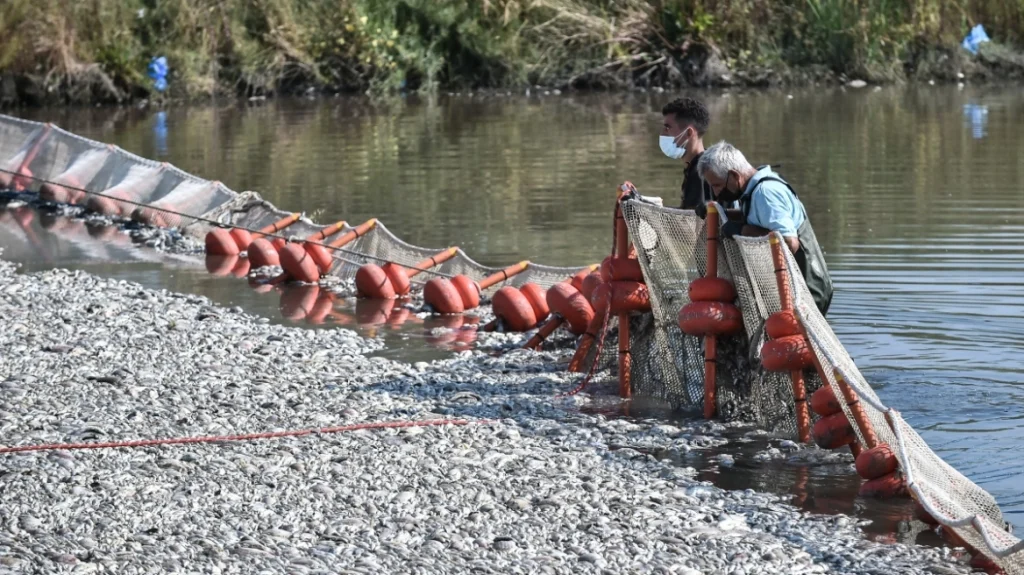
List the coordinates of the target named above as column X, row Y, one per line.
column 702, row 211
column 732, row 229
column 792, row 243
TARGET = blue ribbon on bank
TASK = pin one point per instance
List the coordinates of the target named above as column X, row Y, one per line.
column 157, row 71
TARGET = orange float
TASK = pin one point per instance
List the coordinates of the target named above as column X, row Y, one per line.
column 833, row 431
column 223, row 242
column 710, row 312
column 514, row 309
column 703, row 318
column 884, row 487
column 590, row 284
column 624, row 269
column 298, row 264
column 790, row 353
column 566, row 301
column 876, row 462
column 392, row 280
column 824, row 401
column 460, row 293
column 711, row 289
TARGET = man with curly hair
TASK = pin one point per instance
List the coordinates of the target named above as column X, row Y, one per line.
column 682, row 138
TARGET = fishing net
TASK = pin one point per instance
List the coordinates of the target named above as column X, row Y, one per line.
column 666, row 363
column 58, row 164
column 669, row 364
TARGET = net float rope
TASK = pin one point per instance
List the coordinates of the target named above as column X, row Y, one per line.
column 711, row 312
column 391, row 280
column 239, row 437
column 460, row 293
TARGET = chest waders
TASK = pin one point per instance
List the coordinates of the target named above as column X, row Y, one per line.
column 809, row 256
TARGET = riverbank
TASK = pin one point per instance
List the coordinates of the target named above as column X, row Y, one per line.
column 54, row 53
column 530, row 485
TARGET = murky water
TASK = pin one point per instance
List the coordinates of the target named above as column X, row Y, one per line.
column 916, row 194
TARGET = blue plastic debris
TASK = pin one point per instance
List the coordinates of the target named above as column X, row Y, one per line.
column 976, row 37
column 977, row 116
column 157, row 70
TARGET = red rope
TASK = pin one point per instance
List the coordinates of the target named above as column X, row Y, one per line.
column 242, row 437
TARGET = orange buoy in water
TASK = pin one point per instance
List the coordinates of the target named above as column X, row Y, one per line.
column 833, row 431
column 219, row 242
column 443, row 296
column 461, row 293
column 791, row 353
column 298, row 264
column 392, row 280
column 514, row 309
column 569, row 303
column 824, row 401
column 712, row 289
column 242, row 238
column 320, row 254
column 876, row 462
column 704, row 318
column 261, row 252
column 535, row 295
column 884, row 487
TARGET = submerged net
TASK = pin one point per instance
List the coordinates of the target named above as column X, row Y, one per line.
column 669, row 364
column 123, row 184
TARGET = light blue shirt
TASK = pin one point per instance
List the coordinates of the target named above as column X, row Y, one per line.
column 773, row 206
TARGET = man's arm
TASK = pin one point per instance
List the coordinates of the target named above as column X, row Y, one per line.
column 771, row 211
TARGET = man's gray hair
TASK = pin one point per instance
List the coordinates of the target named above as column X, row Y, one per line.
column 722, row 158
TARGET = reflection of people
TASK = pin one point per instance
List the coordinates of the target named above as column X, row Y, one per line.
column 685, row 122
column 767, row 204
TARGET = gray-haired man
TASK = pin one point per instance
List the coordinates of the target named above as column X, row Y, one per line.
column 768, row 204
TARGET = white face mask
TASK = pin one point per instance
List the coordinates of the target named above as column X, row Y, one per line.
column 669, row 147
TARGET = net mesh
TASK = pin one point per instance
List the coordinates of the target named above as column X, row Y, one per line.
column 123, row 184
column 669, row 364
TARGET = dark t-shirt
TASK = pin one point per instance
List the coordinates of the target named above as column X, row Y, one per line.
column 695, row 191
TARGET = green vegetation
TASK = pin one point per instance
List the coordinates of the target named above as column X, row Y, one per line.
column 91, row 50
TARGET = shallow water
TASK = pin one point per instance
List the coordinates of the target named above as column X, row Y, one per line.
column 916, row 194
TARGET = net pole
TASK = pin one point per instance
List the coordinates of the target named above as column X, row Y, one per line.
column 710, row 341
column 803, row 415
column 622, row 252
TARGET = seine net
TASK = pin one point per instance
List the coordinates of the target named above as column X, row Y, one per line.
column 668, row 364
column 122, row 184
